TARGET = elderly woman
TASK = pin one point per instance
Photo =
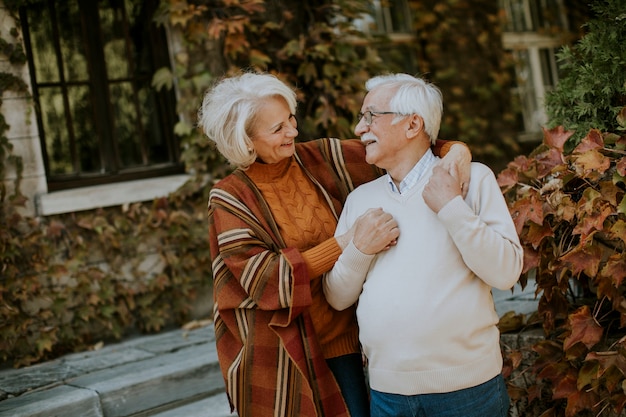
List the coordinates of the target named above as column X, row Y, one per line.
column 282, row 349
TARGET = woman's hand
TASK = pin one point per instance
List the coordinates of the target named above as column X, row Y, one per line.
column 442, row 187
column 375, row 231
column 459, row 156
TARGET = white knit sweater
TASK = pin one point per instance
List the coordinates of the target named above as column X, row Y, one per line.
column 425, row 310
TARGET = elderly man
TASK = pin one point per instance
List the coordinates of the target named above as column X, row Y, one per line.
column 425, row 311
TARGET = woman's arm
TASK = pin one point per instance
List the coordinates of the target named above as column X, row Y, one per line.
column 248, row 269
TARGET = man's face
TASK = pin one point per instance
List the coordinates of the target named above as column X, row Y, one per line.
column 383, row 141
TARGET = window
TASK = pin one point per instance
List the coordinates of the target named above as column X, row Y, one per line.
column 531, row 35
column 392, row 19
column 91, row 65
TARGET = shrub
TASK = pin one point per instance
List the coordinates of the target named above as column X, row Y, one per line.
column 568, row 202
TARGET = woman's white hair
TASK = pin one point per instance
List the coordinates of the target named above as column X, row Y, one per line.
column 229, row 110
column 413, row 96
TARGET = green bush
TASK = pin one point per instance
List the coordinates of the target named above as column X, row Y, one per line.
column 592, row 91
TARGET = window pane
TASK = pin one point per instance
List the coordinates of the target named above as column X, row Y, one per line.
column 158, row 150
column 526, row 91
column 72, row 41
column 44, row 56
column 518, row 13
column 125, row 114
column 114, row 31
column 87, row 137
column 57, row 136
column 549, row 70
column 400, row 17
column 533, row 15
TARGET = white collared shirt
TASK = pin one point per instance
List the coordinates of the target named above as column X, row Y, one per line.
column 414, row 174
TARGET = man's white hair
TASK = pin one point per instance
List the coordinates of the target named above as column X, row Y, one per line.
column 413, row 96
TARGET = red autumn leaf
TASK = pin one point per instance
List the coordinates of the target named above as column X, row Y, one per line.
column 584, row 259
column 588, row 201
column 606, row 289
column 595, row 221
column 615, row 269
column 516, row 358
column 536, row 233
column 527, row 208
column 580, row 401
column 584, row 329
column 618, row 230
column 55, row 229
column 552, row 306
column 508, row 178
column 255, row 7
column 547, row 162
column 521, row 163
column 556, row 137
column 591, row 163
column 609, row 192
column 608, row 359
column 549, row 350
column 531, row 259
column 619, row 403
column 593, row 140
column 564, row 383
column 587, row 374
column 566, row 209
column 215, row 28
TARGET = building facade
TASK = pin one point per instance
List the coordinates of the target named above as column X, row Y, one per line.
column 92, row 132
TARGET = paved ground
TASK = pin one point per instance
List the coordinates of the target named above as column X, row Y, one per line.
column 172, row 374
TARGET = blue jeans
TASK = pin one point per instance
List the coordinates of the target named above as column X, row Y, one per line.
column 489, row 399
column 348, row 371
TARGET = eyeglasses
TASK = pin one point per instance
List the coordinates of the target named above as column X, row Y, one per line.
column 368, row 115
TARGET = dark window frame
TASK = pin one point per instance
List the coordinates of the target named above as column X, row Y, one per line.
column 164, row 105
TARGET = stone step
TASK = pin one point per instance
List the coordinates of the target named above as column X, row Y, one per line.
column 172, row 371
column 214, row 406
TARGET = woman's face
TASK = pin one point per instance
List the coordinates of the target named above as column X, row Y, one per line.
column 275, row 131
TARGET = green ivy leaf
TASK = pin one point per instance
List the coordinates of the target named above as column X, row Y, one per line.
column 163, row 78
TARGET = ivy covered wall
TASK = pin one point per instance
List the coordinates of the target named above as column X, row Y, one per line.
column 70, row 281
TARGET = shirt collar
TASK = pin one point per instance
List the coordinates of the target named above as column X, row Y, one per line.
column 414, row 174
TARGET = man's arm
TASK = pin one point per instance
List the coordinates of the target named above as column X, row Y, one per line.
column 372, row 232
column 481, row 225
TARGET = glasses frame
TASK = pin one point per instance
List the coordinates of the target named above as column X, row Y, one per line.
column 369, row 115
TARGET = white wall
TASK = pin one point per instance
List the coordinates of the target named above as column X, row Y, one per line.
column 23, row 134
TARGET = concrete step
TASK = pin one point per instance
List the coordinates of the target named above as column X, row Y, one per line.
column 214, row 406
column 131, row 379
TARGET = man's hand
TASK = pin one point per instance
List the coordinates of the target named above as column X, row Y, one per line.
column 460, row 156
column 442, row 187
column 375, row 231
